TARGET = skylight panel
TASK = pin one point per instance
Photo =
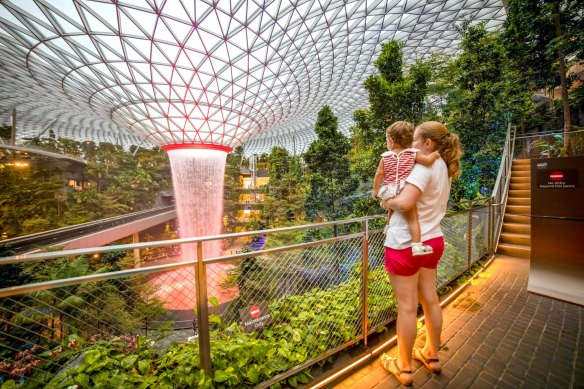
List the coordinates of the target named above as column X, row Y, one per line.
column 128, row 27
column 175, row 9
column 147, row 20
column 65, row 25
column 107, row 12
column 180, row 30
column 208, row 39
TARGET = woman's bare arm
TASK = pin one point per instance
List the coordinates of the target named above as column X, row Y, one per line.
column 405, row 201
column 427, row 160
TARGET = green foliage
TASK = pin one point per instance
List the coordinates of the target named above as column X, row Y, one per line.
column 231, row 188
column 36, row 200
column 542, row 38
column 531, row 38
column 5, row 132
column 285, row 193
column 393, row 96
column 55, row 315
column 26, row 198
column 305, row 326
column 11, row 274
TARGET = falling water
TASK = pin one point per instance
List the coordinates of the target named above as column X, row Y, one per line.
column 197, row 176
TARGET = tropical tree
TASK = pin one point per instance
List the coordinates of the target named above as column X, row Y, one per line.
column 539, row 36
column 486, row 94
column 328, row 171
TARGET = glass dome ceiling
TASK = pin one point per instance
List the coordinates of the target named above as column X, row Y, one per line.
column 207, row 72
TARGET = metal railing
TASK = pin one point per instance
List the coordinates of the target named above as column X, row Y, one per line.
column 549, row 145
column 501, row 188
column 292, row 305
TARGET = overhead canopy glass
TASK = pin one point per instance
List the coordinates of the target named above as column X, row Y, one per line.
column 207, row 72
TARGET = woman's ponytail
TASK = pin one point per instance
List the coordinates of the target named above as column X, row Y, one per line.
column 447, row 143
column 451, row 152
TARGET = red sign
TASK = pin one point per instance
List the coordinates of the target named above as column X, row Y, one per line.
column 556, row 176
column 254, row 311
column 255, row 317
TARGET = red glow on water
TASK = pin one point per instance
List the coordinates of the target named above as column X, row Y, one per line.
column 197, row 175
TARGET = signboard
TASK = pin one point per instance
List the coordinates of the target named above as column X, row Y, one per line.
column 557, row 179
column 255, row 316
column 556, row 268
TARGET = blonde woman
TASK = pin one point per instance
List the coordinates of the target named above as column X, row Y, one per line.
column 413, row 277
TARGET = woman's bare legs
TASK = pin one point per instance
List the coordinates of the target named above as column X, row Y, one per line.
column 406, row 294
column 432, row 311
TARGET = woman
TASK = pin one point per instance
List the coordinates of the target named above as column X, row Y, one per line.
column 411, row 277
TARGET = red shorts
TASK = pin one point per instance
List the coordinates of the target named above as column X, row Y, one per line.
column 403, row 263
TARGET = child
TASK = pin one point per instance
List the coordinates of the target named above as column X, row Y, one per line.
column 394, row 167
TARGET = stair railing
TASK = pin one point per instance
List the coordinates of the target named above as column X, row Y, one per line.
column 501, row 187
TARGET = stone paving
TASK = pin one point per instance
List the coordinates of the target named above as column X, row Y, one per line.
column 497, row 335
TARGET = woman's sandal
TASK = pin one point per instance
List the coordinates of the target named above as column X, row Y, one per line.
column 419, row 356
column 390, row 364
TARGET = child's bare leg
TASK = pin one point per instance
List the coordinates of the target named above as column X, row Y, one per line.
column 389, row 213
column 414, row 226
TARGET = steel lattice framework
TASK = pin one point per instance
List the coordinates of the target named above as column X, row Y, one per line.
column 207, row 72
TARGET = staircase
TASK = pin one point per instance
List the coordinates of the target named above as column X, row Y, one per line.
column 515, row 240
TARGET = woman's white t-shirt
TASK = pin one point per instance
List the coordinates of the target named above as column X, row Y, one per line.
column 434, row 184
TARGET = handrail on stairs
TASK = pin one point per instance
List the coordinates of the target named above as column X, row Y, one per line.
column 501, row 187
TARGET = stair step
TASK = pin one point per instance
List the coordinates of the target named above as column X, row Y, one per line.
column 521, row 173
column 521, row 162
column 520, row 193
column 522, row 186
column 518, row 209
column 520, row 168
column 518, row 228
column 514, row 250
column 517, row 239
column 519, row 219
column 520, row 180
column 519, row 201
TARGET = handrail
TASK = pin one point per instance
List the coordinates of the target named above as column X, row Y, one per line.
column 548, row 145
column 35, row 257
column 45, row 152
column 501, row 187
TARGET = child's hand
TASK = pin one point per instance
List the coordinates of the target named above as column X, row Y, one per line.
column 435, row 155
column 374, row 196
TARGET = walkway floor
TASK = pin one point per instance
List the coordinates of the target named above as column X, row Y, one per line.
column 497, row 335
